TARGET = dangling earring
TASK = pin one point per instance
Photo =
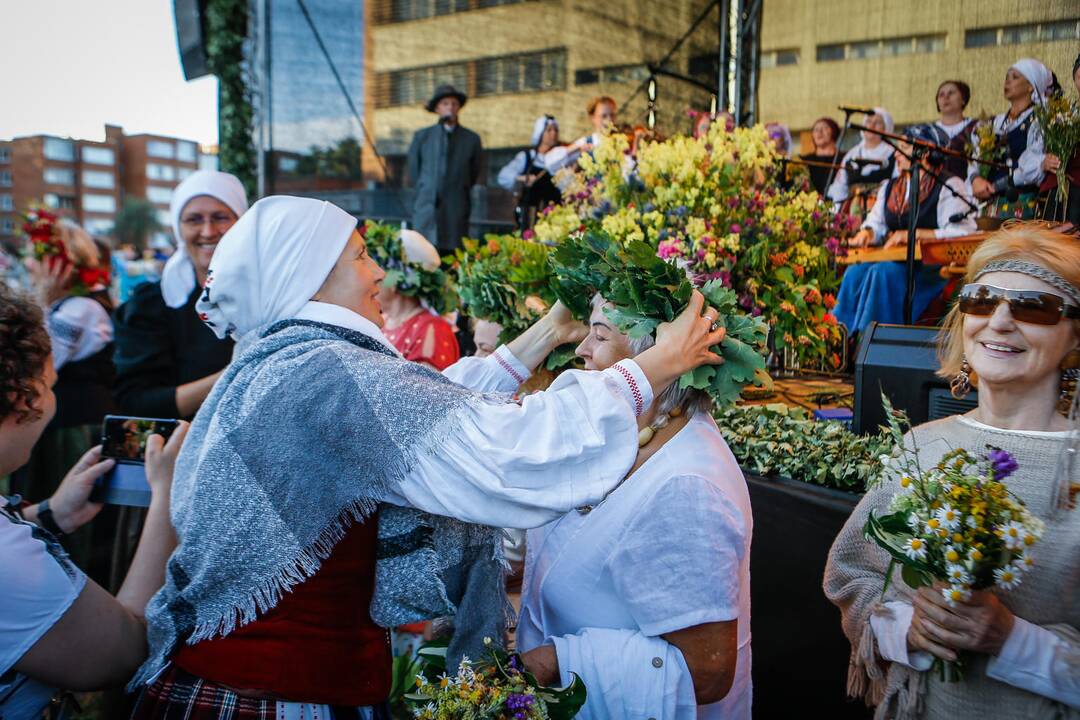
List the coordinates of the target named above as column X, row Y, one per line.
column 1070, row 374
column 961, row 384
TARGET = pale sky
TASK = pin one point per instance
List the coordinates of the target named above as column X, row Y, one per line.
column 68, row 67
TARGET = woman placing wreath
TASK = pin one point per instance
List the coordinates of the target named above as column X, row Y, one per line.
column 276, row 598
column 1016, row 333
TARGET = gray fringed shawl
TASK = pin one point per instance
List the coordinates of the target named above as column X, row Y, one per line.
column 299, row 439
column 1049, row 595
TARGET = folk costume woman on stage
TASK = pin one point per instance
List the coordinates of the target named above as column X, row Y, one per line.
column 825, row 133
column 1021, row 647
column 601, row 110
column 166, row 358
column 875, row 291
column 646, row 594
column 411, row 305
column 1068, row 211
column 527, row 173
column 1027, row 83
column 284, row 578
column 951, row 100
column 868, row 163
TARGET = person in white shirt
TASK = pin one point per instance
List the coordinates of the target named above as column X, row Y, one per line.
column 601, row 111
column 868, row 163
column 57, row 628
column 645, row 594
column 1027, row 84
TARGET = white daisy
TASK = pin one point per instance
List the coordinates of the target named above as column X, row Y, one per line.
column 958, row 574
column 1013, row 535
column 915, row 548
column 907, row 485
column 1024, row 562
column 955, row 593
column 948, row 517
column 913, row 521
column 1007, row 577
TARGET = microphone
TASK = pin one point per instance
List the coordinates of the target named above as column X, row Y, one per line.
column 957, row 217
column 852, row 109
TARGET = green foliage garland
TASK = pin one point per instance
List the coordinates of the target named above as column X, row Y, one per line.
column 434, row 287
column 226, row 29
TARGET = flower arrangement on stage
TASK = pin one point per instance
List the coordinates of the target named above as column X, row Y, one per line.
column 647, row 290
column 46, row 245
column 955, row 524
column 496, row 688
column 433, row 287
column 779, row 440
column 988, row 145
column 1059, row 119
column 714, row 205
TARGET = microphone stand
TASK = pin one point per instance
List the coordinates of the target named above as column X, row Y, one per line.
column 848, row 112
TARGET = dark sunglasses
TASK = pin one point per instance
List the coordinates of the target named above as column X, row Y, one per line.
column 1029, row 306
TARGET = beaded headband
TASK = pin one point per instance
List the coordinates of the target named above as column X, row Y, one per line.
column 1036, row 271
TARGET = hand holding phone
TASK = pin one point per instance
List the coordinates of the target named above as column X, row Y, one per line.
column 124, row 439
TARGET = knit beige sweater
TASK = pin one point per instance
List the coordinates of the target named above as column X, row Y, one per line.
column 1049, row 595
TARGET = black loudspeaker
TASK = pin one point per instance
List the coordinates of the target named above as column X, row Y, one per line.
column 901, row 361
column 191, row 37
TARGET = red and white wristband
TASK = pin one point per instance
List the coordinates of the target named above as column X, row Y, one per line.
column 510, row 364
column 632, row 384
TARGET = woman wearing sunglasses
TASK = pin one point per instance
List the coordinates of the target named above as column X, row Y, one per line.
column 1014, row 334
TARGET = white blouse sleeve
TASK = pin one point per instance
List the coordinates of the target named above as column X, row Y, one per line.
column 677, row 564
column 498, row 372
column 559, row 157
column 1029, row 165
column 628, row 674
column 950, row 203
column 838, row 191
column 524, row 465
column 875, row 220
column 1039, row 660
column 507, row 178
column 78, row 328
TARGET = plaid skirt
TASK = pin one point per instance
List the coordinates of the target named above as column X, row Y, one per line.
column 178, row 695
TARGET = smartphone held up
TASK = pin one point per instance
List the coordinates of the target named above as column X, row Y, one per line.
column 124, row 439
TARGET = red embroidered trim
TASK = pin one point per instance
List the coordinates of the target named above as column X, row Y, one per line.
column 639, row 401
column 508, row 367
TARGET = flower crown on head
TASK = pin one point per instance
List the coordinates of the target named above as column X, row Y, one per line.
column 434, row 288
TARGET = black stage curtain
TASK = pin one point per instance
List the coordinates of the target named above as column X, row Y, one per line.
column 800, row 654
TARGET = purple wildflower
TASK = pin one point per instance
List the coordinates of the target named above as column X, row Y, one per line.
column 1003, row 463
column 735, row 228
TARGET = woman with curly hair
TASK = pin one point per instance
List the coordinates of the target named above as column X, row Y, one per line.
column 59, row 629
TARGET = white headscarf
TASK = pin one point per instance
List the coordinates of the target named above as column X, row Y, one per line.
column 178, row 276
column 1038, row 75
column 271, row 263
column 539, row 127
column 886, row 117
column 419, row 250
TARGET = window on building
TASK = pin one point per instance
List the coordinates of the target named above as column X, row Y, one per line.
column 98, row 179
column 521, row 73
column 59, row 202
column 5, row 154
column 885, row 47
column 160, row 149
column 288, row 164
column 98, row 155
column 163, row 218
column 393, row 11
column 6, row 203
column 57, row 149
column 183, row 173
column 1019, row 34
column 157, row 171
column 162, row 195
column 5, row 178
column 777, row 58
column 185, row 151
column 99, row 203
column 7, row 226
column 58, row 176
column 611, row 74
column 415, row 85
column 98, row 226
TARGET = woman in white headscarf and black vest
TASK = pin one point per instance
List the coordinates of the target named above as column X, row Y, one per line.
column 166, row 358
column 1027, row 84
column 867, row 164
column 315, row 493
column 528, row 173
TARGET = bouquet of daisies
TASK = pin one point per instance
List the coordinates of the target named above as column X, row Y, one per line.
column 954, row 523
column 1059, row 119
column 495, row 688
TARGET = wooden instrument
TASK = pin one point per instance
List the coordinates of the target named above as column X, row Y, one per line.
column 950, row 252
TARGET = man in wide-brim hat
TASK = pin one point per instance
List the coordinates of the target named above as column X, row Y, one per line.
column 444, row 164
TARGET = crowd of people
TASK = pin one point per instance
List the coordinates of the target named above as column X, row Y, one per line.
column 347, row 471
